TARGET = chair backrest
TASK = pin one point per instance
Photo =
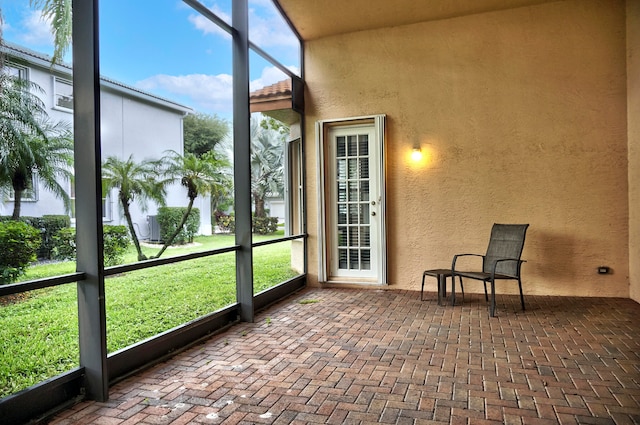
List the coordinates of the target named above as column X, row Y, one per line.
column 507, row 241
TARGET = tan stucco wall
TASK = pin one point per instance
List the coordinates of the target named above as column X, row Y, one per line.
column 523, row 115
column 633, row 114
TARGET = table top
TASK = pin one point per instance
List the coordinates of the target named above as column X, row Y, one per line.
column 437, row 272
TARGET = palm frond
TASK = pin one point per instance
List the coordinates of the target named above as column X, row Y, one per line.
column 60, row 14
column 31, row 144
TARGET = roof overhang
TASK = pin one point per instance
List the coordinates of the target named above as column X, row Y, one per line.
column 22, row 55
column 282, row 100
column 315, row 19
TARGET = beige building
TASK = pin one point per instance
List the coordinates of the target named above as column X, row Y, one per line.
column 524, row 112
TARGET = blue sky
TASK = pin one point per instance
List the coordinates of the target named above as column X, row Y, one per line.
column 167, row 48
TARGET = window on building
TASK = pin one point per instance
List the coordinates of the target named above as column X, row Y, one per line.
column 106, row 203
column 295, row 188
column 17, row 71
column 62, row 94
column 30, row 194
column 72, row 196
column 106, row 208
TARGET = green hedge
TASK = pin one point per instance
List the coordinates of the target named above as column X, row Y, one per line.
column 115, row 243
column 170, row 217
column 18, row 244
column 265, row 225
column 64, row 244
column 48, row 225
column 260, row 225
column 226, row 223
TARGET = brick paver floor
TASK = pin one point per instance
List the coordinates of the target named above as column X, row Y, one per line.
column 346, row 356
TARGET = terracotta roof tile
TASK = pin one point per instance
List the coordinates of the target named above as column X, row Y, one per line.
column 277, row 90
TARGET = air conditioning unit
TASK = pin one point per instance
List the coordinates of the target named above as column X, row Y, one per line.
column 154, row 228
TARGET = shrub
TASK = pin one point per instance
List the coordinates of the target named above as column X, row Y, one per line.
column 48, row 225
column 261, row 225
column 226, row 222
column 116, row 242
column 51, row 224
column 193, row 224
column 64, row 244
column 265, row 225
column 170, row 217
column 19, row 243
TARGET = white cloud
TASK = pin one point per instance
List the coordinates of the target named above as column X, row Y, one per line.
column 205, row 93
column 266, row 27
column 36, row 29
column 206, row 26
column 4, row 26
column 270, row 75
column 210, row 93
column 261, row 3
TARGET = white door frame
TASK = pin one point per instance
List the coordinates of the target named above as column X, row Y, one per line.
column 322, row 140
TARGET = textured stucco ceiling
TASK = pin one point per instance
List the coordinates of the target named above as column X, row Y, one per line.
column 320, row 18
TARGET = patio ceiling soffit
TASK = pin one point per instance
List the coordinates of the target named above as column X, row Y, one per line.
column 315, row 19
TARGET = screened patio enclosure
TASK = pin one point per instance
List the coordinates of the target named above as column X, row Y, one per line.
column 524, row 111
column 101, row 363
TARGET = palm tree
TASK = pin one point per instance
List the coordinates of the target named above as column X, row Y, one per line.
column 59, row 12
column 267, row 169
column 136, row 182
column 20, row 108
column 30, row 144
column 199, row 175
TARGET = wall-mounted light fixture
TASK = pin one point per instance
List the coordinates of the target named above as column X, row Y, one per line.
column 416, row 154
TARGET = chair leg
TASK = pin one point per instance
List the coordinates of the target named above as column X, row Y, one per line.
column 521, row 294
column 442, row 287
column 461, row 286
column 422, row 289
column 453, row 290
column 492, row 309
column 486, row 297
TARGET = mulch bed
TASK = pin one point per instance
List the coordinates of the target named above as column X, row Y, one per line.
column 13, row 298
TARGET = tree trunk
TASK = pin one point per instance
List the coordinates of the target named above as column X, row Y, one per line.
column 127, row 216
column 169, row 241
column 258, row 202
column 17, row 204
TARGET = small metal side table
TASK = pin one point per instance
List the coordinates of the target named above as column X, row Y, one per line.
column 441, row 275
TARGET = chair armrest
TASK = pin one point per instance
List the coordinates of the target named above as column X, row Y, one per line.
column 495, row 265
column 455, row 258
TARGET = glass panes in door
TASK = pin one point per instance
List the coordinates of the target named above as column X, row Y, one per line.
column 353, row 208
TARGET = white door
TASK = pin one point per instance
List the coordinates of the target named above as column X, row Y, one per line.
column 355, row 245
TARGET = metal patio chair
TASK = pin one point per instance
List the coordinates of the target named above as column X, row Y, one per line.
column 501, row 261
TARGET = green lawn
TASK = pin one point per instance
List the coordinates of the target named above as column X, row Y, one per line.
column 39, row 335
